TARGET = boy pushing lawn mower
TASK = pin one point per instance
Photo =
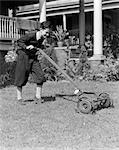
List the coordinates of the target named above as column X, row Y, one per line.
column 28, row 63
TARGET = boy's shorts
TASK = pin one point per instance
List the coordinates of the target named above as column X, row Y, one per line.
column 24, row 67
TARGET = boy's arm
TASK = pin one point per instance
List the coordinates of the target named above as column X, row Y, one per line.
column 22, row 42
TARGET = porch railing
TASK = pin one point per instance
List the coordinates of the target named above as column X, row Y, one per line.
column 13, row 28
column 8, row 28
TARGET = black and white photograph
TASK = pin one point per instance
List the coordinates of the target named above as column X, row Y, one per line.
column 59, row 74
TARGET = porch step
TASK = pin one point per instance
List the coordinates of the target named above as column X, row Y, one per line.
column 6, row 45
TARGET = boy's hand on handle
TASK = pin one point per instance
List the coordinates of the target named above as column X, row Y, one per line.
column 30, row 47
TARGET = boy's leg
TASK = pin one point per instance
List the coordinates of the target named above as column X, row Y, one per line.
column 39, row 79
column 21, row 73
column 19, row 96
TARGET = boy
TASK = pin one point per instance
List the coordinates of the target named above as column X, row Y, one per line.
column 27, row 61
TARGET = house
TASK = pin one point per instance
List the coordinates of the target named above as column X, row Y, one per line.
column 101, row 18
column 66, row 13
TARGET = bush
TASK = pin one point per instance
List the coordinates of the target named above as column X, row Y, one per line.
column 7, row 66
column 83, row 66
column 107, row 72
column 78, row 69
column 7, row 76
column 49, row 70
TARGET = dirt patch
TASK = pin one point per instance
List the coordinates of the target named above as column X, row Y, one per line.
column 54, row 125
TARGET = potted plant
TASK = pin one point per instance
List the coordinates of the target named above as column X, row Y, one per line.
column 60, row 35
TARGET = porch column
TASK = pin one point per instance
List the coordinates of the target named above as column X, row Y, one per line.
column 64, row 22
column 98, row 56
column 42, row 10
column 81, row 23
column 98, row 52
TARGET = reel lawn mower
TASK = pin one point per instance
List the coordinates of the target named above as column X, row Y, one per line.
column 88, row 102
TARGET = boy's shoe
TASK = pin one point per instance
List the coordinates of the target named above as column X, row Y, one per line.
column 37, row 100
column 21, row 102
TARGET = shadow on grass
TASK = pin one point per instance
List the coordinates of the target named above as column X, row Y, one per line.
column 53, row 98
column 67, row 97
column 44, row 98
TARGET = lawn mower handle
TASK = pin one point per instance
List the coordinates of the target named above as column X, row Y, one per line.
column 57, row 67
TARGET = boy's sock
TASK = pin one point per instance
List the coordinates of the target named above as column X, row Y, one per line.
column 19, row 93
column 38, row 91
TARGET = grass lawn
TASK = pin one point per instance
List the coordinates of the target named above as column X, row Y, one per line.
column 54, row 125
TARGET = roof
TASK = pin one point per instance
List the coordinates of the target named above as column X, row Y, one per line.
column 16, row 3
column 59, row 7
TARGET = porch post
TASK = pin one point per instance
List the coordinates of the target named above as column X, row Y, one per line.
column 64, row 22
column 98, row 51
column 81, row 23
column 42, row 10
column 98, row 56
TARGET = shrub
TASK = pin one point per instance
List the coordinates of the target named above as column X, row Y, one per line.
column 7, row 77
column 78, row 69
column 49, row 70
column 109, row 71
column 83, row 66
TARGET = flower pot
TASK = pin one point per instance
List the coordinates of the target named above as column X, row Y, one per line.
column 59, row 43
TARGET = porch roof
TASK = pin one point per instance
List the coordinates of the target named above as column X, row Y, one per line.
column 60, row 7
column 16, row 3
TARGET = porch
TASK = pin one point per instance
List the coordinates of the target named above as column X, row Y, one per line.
column 12, row 28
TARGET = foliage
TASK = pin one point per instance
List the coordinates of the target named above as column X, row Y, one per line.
column 11, row 56
column 88, row 42
column 111, row 45
column 83, row 66
column 60, row 33
column 80, row 68
column 7, row 77
column 49, row 70
column 109, row 71
column 7, row 68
